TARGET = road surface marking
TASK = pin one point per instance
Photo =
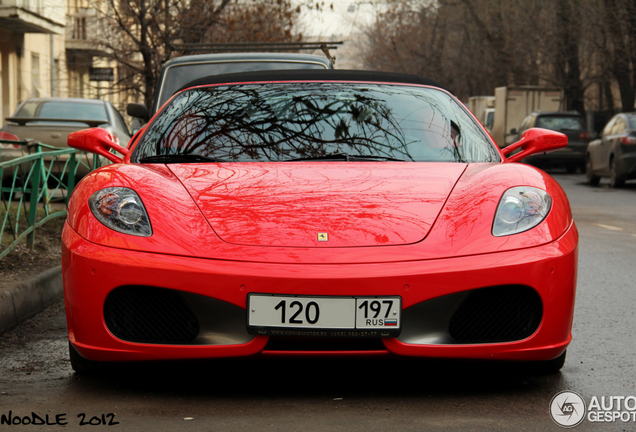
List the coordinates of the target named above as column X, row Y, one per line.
column 609, row 227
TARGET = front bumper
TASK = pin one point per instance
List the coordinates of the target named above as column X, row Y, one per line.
column 92, row 272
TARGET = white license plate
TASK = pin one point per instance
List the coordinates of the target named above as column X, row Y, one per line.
column 324, row 316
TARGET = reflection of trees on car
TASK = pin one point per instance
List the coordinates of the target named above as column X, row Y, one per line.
column 266, row 123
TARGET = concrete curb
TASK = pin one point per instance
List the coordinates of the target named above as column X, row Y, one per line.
column 27, row 298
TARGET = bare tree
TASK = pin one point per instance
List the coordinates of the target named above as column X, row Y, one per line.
column 473, row 46
column 141, row 34
column 617, row 33
column 259, row 21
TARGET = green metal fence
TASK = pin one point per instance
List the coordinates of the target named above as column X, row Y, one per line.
column 36, row 181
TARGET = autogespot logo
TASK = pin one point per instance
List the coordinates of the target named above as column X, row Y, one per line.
column 567, row 409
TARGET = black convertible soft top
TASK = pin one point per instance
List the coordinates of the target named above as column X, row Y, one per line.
column 313, row 75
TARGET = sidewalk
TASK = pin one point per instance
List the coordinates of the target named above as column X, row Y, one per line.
column 29, row 297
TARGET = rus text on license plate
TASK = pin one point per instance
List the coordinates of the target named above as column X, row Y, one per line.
column 324, row 316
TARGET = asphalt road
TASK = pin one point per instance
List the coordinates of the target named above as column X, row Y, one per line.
column 36, row 379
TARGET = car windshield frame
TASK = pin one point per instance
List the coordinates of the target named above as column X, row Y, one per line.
column 312, row 120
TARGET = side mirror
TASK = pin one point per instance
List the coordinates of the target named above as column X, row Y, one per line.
column 535, row 140
column 98, row 141
column 136, row 110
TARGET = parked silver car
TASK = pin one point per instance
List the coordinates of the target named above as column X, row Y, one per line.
column 613, row 155
column 51, row 120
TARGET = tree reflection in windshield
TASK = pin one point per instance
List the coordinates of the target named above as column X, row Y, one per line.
column 278, row 122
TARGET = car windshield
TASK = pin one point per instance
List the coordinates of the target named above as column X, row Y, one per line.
column 292, row 121
column 561, row 123
column 67, row 110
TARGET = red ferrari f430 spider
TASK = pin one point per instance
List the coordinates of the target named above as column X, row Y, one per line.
column 318, row 213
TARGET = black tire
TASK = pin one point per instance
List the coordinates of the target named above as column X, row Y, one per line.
column 82, row 365
column 616, row 180
column 549, row 366
column 592, row 179
column 571, row 169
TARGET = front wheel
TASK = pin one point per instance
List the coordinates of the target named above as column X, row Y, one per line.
column 616, row 180
column 549, row 366
column 83, row 366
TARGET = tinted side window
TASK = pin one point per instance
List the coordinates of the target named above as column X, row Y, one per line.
column 490, row 118
column 27, row 110
column 119, row 121
column 608, row 127
column 619, row 126
column 526, row 123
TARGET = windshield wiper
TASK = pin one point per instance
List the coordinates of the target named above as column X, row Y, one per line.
column 344, row 157
column 370, row 157
column 178, row 158
column 333, row 156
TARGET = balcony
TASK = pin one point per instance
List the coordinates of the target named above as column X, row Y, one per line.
column 29, row 16
column 83, row 33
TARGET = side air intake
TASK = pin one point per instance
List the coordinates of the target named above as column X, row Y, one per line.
column 497, row 314
column 149, row 315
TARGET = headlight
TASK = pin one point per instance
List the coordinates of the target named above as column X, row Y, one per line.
column 520, row 209
column 121, row 209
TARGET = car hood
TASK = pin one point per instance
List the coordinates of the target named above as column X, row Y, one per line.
column 320, row 204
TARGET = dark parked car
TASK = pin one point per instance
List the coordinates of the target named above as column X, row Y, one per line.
column 571, row 124
column 613, row 155
column 180, row 71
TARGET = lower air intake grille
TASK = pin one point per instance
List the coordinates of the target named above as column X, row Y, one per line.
column 285, row 343
column 498, row 314
column 149, row 315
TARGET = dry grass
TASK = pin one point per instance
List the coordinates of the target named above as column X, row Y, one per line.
column 23, row 262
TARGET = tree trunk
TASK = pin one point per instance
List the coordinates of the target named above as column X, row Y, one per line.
column 567, row 23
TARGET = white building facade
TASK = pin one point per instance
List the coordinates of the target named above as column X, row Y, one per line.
column 45, row 51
